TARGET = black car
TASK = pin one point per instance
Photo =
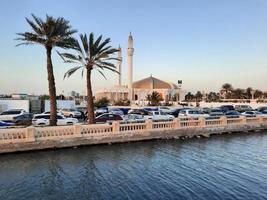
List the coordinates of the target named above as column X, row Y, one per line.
column 232, row 114
column 262, row 108
column 24, row 119
column 226, row 108
column 139, row 112
column 175, row 112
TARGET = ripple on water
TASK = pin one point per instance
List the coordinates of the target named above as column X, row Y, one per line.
column 220, row 167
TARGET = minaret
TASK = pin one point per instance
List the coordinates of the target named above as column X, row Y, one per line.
column 119, row 65
column 130, row 51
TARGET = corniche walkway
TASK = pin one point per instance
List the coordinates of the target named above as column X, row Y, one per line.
column 37, row 138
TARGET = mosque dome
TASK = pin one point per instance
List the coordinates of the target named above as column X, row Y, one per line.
column 153, row 83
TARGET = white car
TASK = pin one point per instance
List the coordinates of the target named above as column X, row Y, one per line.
column 70, row 112
column 43, row 120
column 164, row 109
column 159, row 116
column 116, row 111
column 252, row 113
column 134, row 118
column 48, row 113
column 193, row 113
column 10, row 115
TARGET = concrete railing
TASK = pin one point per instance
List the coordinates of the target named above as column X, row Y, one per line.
column 30, row 134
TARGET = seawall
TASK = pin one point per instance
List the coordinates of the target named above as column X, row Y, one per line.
column 37, row 138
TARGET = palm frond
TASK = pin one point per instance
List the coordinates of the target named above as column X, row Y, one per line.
column 84, row 42
column 71, row 71
column 106, row 41
column 102, row 74
column 51, row 32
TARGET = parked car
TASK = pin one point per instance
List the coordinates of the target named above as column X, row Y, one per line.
column 164, row 109
column 43, row 120
column 133, row 118
column 158, row 116
column 151, row 109
column 24, row 119
column 206, row 110
column 101, row 110
column 175, row 112
column 116, row 111
column 226, row 108
column 251, row 113
column 216, row 112
column 232, row 114
column 6, row 124
column 264, row 113
column 192, row 113
column 262, row 108
column 107, row 118
column 243, row 108
column 71, row 112
column 142, row 112
column 48, row 113
column 125, row 110
column 9, row 115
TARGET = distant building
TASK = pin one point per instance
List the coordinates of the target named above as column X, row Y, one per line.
column 137, row 91
column 74, row 94
column 20, row 96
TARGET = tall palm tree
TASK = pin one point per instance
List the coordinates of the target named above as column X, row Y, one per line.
column 227, row 88
column 91, row 54
column 50, row 33
column 154, row 98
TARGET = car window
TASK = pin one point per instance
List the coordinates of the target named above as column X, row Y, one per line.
column 42, row 117
column 12, row 112
column 59, row 117
column 103, row 117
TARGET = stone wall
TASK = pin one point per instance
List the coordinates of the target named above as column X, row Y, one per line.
column 36, row 138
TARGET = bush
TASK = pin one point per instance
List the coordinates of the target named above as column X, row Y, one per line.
column 122, row 103
column 103, row 102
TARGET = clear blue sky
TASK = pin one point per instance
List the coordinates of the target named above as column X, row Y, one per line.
column 205, row 43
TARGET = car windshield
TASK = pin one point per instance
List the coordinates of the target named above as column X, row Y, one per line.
column 216, row 110
column 194, row 112
column 42, row 117
column 11, row 112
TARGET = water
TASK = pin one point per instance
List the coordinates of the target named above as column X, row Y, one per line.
column 220, row 167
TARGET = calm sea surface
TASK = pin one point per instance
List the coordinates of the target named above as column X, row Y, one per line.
column 220, row 167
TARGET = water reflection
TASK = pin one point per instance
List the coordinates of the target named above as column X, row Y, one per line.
column 220, row 167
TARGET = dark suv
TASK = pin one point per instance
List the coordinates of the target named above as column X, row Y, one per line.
column 108, row 117
column 226, row 108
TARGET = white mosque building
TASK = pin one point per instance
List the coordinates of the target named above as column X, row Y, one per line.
column 137, row 92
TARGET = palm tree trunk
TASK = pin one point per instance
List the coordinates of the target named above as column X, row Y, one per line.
column 52, row 88
column 90, row 107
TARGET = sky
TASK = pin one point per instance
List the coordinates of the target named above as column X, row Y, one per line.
column 205, row 43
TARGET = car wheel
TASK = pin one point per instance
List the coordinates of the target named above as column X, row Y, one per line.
column 71, row 115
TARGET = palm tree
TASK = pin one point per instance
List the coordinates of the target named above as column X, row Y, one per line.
column 227, row 88
column 238, row 93
column 154, row 98
column 91, row 54
column 189, row 96
column 199, row 96
column 49, row 33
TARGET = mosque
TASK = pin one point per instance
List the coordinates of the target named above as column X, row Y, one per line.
column 137, row 92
